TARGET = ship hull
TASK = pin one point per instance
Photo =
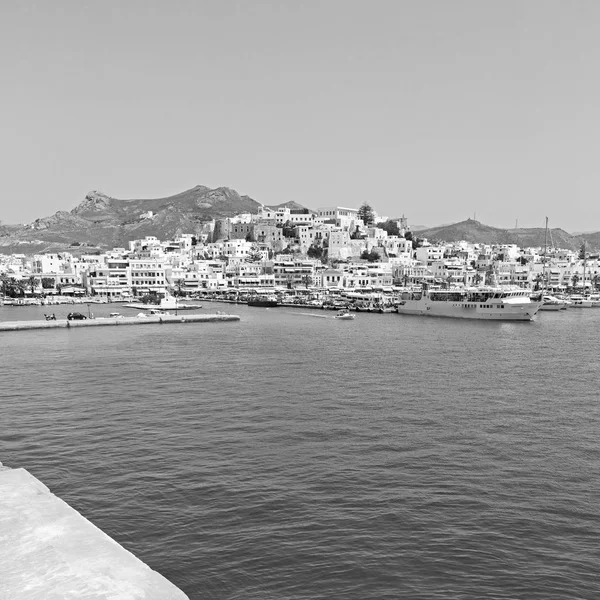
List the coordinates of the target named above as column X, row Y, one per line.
column 524, row 312
column 263, row 303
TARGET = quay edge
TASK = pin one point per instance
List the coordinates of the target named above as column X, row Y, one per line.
column 99, row 322
column 49, row 550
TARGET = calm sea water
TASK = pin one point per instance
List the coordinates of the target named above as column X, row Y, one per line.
column 295, row 456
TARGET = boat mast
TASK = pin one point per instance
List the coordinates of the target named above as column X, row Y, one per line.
column 584, row 265
column 545, row 251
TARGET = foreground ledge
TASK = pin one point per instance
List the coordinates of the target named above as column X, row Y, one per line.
column 48, row 550
column 103, row 321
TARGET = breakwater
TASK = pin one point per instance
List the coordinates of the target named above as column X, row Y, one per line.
column 115, row 321
column 49, row 550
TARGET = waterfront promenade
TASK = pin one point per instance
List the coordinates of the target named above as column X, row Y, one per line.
column 51, row 551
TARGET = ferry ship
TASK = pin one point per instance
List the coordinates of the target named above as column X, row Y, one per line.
column 495, row 304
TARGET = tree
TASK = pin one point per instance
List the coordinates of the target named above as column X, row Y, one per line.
column 391, row 227
column 539, row 278
column 48, row 283
column 289, row 230
column 582, row 253
column 151, row 298
column 178, row 283
column 32, row 283
column 254, row 255
column 371, row 256
column 14, row 287
column 408, row 235
column 366, row 213
column 314, row 252
column 4, row 279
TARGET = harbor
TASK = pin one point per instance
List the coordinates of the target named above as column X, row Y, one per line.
column 219, row 454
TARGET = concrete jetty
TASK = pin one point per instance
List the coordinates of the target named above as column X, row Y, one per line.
column 102, row 321
column 48, row 550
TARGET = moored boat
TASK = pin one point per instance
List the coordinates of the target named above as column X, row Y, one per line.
column 168, row 303
column 496, row 304
column 578, row 301
column 552, row 303
column 263, row 301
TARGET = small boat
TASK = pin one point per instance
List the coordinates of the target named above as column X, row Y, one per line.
column 594, row 299
column 265, row 302
column 552, row 303
column 158, row 311
column 344, row 315
column 578, row 301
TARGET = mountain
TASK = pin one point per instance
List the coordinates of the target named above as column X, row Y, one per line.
column 103, row 222
column 291, row 205
column 478, row 233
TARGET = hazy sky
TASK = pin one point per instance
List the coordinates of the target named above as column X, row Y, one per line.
column 432, row 109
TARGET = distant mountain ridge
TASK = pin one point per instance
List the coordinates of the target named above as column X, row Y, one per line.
column 527, row 237
column 103, row 222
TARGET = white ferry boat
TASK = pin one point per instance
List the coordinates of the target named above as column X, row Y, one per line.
column 496, row 304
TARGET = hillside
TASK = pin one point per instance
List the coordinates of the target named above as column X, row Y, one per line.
column 478, row 233
column 103, row 222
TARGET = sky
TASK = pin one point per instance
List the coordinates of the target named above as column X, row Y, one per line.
column 439, row 110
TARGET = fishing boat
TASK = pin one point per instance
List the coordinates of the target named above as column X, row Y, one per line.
column 486, row 303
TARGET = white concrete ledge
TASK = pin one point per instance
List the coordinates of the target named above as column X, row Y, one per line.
column 48, row 551
column 105, row 321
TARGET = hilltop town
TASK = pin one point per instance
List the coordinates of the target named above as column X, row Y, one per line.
column 330, row 248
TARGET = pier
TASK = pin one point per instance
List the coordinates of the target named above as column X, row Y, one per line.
column 116, row 321
column 49, row 550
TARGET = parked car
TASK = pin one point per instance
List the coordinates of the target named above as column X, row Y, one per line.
column 76, row 316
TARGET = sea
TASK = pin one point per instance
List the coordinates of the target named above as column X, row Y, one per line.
column 291, row 455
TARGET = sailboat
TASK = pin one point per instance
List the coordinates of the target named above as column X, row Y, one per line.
column 549, row 302
column 580, row 300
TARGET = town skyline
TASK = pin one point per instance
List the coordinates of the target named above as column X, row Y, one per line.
column 445, row 109
column 413, row 225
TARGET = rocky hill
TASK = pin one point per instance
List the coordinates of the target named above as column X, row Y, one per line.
column 102, row 222
column 478, row 233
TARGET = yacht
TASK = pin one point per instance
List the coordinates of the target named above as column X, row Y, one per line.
column 594, row 299
column 579, row 301
column 495, row 304
column 552, row 303
column 167, row 303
